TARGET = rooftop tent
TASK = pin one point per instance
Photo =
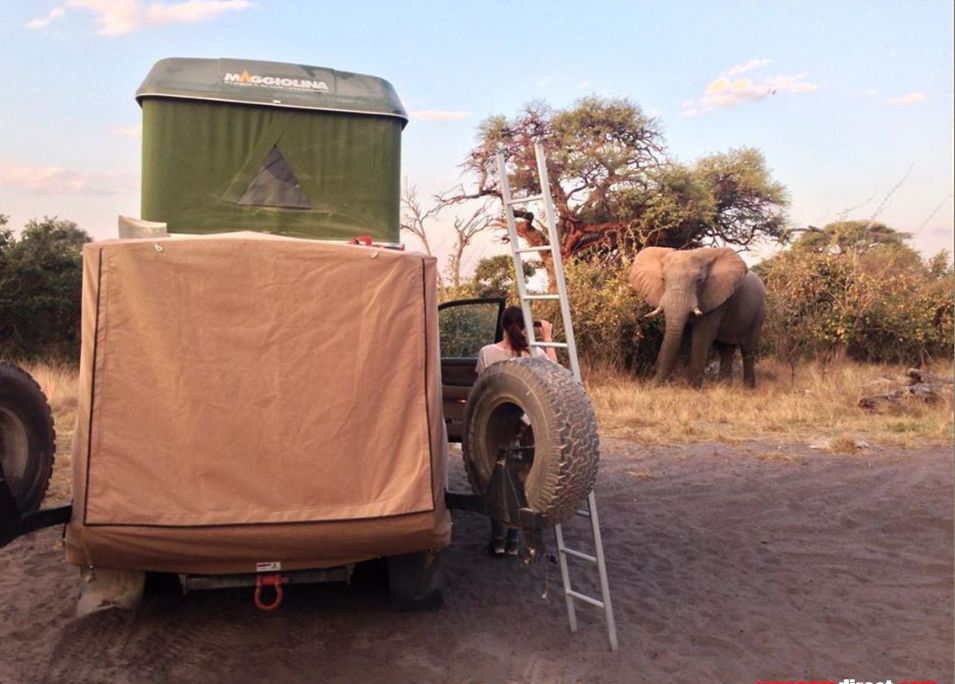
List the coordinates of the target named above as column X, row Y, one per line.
column 288, row 149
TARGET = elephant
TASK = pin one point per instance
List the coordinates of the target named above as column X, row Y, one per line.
column 710, row 289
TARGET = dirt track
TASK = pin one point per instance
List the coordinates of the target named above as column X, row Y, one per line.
column 727, row 565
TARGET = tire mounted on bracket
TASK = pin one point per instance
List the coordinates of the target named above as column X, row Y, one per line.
column 27, row 438
column 533, row 402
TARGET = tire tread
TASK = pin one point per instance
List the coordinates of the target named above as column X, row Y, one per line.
column 12, row 373
column 573, row 471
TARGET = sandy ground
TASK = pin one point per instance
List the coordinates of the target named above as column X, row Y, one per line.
column 727, row 565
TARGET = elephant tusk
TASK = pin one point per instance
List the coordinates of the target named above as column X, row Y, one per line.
column 696, row 310
column 655, row 312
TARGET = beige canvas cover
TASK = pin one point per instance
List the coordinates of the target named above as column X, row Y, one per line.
column 251, row 399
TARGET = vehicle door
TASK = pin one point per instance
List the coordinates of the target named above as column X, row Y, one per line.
column 465, row 325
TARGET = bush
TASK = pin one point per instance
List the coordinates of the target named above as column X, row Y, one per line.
column 609, row 324
column 465, row 329
column 851, row 289
column 608, row 315
column 41, row 278
column 858, row 290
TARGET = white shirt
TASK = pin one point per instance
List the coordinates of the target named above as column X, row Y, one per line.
column 491, row 354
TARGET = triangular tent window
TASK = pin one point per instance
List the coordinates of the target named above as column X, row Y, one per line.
column 274, row 185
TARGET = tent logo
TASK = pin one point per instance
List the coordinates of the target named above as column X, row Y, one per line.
column 246, row 79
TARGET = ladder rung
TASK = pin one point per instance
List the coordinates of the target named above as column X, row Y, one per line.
column 583, row 597
column 535, row 248
column 550, row 345
column 543, row 296
column 578, row 554
column 583, row 513
column 524, row 200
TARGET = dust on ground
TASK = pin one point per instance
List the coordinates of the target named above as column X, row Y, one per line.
column 727, row 564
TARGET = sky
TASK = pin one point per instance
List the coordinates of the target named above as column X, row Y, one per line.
column 850, row 102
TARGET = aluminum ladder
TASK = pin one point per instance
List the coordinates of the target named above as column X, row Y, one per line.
column 589, row 510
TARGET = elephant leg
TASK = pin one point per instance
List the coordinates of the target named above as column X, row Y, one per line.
column 704, row 332
column 748, row 349
column 727, row 352
column 749, row 369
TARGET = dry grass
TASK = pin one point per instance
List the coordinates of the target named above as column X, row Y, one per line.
column 819, row 402
column 60, row 384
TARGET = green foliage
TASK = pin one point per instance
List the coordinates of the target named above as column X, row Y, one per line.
column 614, row 190
column 494, row 277
column 41, row 276
column 843, row 237
column 749, row 204
column 609, row 324
column 467, row 328
column 858, row 290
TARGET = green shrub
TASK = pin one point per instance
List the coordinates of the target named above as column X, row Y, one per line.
column 41, row 277
column 609, row 324
column 465, row 329
column 858, row 290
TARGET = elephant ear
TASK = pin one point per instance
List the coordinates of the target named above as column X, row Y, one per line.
column 646, row 275
column 726, row 272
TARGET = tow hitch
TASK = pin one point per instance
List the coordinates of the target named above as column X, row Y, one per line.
column 15, row 524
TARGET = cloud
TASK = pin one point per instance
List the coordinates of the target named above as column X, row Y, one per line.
column 748, row 66
column 907, row 99
column 871, row 92
column 583, row 84
column 790, row 84
column 544, row 82
column 128, row 131
column 727, row 92
column 121, row 17
column 55, row 180
column 438, row 115
column 54, row 13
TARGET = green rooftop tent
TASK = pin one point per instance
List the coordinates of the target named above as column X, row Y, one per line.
column 294, row 150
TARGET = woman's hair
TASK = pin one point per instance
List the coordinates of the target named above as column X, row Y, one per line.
column 513, row 323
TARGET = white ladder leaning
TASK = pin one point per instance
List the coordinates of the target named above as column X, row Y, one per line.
column 590, row 509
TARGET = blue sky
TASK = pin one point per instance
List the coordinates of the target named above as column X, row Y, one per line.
column 862, row 90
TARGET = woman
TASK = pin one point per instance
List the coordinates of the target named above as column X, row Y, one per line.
column 514, row 345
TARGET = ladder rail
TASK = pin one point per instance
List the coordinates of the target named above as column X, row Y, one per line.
column 602, row 572
column 558, row 263
column 565, row 577
column 513, row 237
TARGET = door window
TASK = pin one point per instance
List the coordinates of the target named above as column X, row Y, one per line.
column 467, row 325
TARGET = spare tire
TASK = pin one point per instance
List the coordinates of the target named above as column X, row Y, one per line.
column 27, row 438
column 533, row 403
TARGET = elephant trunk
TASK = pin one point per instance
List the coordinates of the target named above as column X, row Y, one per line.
column 671, row 345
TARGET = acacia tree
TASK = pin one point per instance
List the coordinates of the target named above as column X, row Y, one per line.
column 613, row 187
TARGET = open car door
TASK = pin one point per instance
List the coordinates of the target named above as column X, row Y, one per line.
column 465, row 326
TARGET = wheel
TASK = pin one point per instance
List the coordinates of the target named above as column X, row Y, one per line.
column 27, row 438
column 416, row 581
column 535, row 404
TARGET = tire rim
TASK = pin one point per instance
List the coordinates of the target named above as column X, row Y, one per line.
column 14, row 448
column 507, row 427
